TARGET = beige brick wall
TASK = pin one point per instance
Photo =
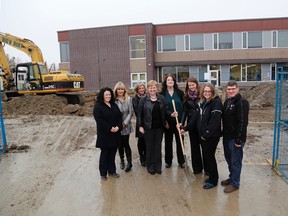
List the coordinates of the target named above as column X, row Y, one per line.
column 138, row 65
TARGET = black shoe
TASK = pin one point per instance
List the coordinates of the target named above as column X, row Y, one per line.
column 152, row 173
column 168, row 165
column 182, row 166
column 159, row 172
column 122, row 165
column 103, row 178
column 143, row 163
column 197, row 172
column 128, row 167
column 115, row 175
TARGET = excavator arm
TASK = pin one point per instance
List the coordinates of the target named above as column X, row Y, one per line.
column 25, row 45
column 5, row 70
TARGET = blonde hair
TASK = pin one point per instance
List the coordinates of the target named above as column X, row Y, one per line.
column 213, row 93
column 152, row 83
column 137, row 86
column 120, row 85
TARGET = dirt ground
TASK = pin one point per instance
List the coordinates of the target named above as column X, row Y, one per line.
column 52, row 168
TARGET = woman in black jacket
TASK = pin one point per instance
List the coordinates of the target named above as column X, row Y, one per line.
column 190, row 113
column 209, row 127
column 152, row 114
column 109, row 125
column 140, row 91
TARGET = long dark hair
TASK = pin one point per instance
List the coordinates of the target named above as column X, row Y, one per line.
column 164, row 83
column 100, row 97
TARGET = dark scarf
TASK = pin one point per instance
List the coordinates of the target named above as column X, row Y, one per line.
column 140, row 96
column 193, row 94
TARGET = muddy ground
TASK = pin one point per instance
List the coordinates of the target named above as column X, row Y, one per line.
column 52, row 169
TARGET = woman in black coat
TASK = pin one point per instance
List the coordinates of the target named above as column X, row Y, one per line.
column 109, row 124
column 151, row 119
column 209, row 128
column 190, row 113
column 140, row 91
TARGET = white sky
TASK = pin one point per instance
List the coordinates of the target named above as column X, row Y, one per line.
column 39, row 20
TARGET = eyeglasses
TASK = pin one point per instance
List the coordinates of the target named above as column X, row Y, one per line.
column 231, row 89
column 207, row 91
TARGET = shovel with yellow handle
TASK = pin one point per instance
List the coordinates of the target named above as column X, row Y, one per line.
column 186, row 169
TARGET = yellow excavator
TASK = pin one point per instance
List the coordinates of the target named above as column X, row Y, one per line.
column 34, row 77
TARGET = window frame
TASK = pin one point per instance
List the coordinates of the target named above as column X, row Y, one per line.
column 138, row 78
column 137, row 50
column 64, row 50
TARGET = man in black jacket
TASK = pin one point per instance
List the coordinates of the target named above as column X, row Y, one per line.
column 235, row 122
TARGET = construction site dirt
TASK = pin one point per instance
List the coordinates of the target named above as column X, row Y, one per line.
column 51, row 167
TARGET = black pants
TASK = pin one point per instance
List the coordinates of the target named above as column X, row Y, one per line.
column 153, row 139
column 169, row 145
column 209, row 149
column 141, row 148
column 196, row 154
column 124, row 146
column 107, row 161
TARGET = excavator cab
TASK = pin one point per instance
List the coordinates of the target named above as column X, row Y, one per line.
column 29, row 76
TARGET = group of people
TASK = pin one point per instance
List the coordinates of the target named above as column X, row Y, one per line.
column 170, row 113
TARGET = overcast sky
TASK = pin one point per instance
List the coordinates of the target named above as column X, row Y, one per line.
column 39, row 20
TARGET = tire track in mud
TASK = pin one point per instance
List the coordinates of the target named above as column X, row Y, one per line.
column 28, row 177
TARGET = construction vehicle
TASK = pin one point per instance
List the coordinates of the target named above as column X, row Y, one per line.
column 34, row 77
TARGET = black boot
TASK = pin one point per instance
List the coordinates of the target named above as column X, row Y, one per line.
column 142, row 161
column 128, row 167
column 122, row 164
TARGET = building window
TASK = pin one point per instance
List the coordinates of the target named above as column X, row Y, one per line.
column 159, row 44
column 181, row 73
column 254, row 39
column 225, row 40
column 165, row 71
column 251, row 72
column 137, row 47
column 197, row 42
column 274, row 38
column 64, row 52
column 202, row 71
column 138, row 78
column 283, row 38
column 169, row 43
column 235, row 72
column 187, row 42
column 244, row 40
column 215, row 41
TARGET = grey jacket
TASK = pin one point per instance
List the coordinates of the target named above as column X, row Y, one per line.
column 126, row 109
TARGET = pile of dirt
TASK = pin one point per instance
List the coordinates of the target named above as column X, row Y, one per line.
column 49, row 104
column 260, row 96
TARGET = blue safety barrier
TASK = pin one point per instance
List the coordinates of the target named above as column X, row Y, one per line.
column 3, row 141
column 280, row 145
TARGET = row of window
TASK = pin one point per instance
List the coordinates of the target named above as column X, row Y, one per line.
column 238, row 72
column 227, row 40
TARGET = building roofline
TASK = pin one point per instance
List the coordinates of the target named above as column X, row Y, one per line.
column 100, row 27
column 215, row 21
column 178, row 23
